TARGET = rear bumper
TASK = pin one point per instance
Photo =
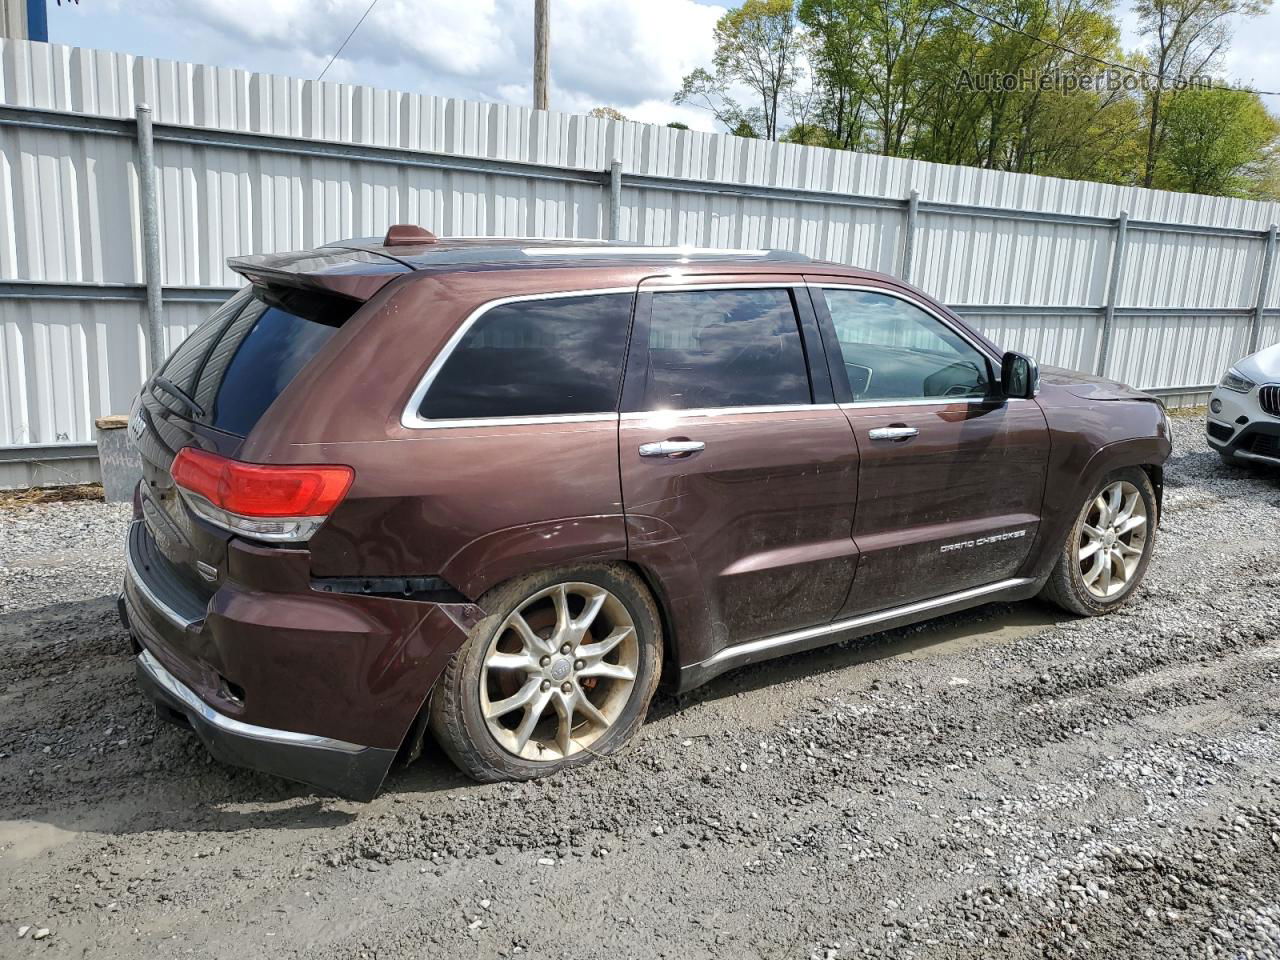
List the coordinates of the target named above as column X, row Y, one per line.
column 348, row 769
column 282, row 678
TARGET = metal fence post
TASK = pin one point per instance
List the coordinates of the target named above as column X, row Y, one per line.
column 1113, row 290
column 150, row 237
column 615, row 200
column 1264, row 287
column 909, row 242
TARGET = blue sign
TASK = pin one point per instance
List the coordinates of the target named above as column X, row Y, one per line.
column 37, row 21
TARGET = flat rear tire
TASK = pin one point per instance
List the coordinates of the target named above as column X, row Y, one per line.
column 560, row 671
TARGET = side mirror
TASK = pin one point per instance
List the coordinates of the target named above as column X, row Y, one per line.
column 1019, row 376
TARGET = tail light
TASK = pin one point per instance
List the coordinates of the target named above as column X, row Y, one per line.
column 265, row 502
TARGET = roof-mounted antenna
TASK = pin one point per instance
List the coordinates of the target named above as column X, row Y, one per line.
column 407, row 235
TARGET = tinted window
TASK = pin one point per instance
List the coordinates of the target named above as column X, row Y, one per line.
column 724, row 348
column 260, row 353
column 535, row 358
column 236, row 363
column 184, row 364
column 893, row 350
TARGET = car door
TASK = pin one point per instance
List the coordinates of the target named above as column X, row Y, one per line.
column 739, row 473
column 952, row 474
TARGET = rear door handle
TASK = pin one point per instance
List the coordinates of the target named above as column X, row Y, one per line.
column 671, row 448
column 893, row 433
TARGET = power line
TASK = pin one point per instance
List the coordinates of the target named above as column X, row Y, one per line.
column 345, row 42
column 1106, row 63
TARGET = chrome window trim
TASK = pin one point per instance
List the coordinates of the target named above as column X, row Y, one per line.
column 929, row 402
column 191, row 700
column 674, row 412
column 657, row 285
column 513, row 421
column 409, row 418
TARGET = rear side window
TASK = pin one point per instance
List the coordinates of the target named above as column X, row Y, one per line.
column 534, row 358
column 236, row 363
column 724, row 348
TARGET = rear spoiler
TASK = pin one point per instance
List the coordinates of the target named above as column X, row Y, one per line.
column 355, row 274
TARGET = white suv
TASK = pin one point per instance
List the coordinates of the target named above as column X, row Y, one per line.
column 1244, row 411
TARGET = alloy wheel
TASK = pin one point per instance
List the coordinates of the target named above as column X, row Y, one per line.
column 1112, row 539
column 559, row 671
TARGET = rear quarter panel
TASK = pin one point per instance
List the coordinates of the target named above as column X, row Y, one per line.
column 473, row 504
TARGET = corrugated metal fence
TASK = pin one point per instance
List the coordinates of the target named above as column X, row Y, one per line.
column 1162, row 290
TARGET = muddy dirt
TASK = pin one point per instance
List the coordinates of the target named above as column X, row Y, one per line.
column 1007, row 782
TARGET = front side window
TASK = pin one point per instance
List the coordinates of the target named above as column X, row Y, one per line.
column 724, row 348
column 535, row 358
column 893, row 350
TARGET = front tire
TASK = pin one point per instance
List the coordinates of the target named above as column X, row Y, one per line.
column 561, row 670
column 1108, row 548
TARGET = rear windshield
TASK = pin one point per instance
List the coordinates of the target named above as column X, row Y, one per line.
column 235, row 364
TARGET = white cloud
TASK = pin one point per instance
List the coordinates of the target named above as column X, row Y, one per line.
column 626, row 54
column 1251, row 58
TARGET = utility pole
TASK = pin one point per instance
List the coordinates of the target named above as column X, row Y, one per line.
column 541, row 50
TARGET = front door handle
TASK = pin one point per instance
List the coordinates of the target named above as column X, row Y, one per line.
column 893, row 433
column 671, row 448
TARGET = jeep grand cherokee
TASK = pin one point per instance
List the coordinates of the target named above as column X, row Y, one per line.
column 497, row 489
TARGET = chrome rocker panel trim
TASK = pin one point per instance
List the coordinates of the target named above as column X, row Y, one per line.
column 766, row 648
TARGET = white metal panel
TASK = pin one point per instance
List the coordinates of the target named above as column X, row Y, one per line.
column 1270, row 333
column 1166, row 269
column 67, row 362
column 981, row 260
column 1068, row 340
column 1163, row 351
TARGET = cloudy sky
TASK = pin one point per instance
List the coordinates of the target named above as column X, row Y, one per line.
column 628, row 54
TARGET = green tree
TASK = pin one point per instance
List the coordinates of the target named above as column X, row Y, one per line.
column 811, row 135
column 876, row 49
column 1185, row 39
column 1039, row 125
column 1219, row 142
column 835, row 75
column 758, row 47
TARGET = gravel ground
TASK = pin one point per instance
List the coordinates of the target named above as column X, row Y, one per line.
column 1006, row 782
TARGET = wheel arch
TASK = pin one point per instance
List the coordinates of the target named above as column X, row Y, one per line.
column 1155, row 473
column 670, row 650
column 1064, row 501
column 503, row 555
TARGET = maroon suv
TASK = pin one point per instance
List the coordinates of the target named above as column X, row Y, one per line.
column 497, row 489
